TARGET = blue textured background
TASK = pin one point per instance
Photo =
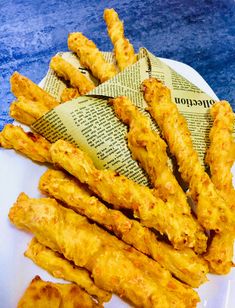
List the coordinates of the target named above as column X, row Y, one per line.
column 198, row 33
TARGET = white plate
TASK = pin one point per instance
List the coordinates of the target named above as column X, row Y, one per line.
column 18, row 174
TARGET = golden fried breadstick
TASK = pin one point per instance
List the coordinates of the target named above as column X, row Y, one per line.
column 20, row 115
column 68, row 94
column 140, row 260
column 185, row 265
column 220, row 253
column 88, row 246
column 66, row 70
column 212, row 211
column 41, row 294
column 129, row 230
column 122, row 192
column 22, row 86
column 27, row 111
column 221, row 154
column 220, row 158
column 90, row 56
column 145, row 264
column 149, row 149
column 123, row 49
column 30, row 144
column 59, row 267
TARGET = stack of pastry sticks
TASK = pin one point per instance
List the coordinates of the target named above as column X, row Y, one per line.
column 128, row 258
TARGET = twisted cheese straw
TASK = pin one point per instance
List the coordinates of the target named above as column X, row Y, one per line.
column 42, row 293
column 221, row 153
column 22, row 86
column 32, row 101
column 68, row 94
column 149, row 149
column 89, row 246
column 66, row 70
column 30, row 144
column 123, row 49
column 27, row 111
column 185, row 264
column 212, row 211
column 220, row 158
column 90, row 56
column 122, row 192
column 59, row 267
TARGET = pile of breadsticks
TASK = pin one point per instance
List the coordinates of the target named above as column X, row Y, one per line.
column 156, row 255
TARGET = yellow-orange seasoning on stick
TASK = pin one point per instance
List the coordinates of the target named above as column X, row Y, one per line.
column 23, row 86
column 59, row 267
column 221, row 153
column 185, row 264
column 212, row 211
column 220, row 158
column 122, row 192
column 90, row 56
column 68, row 94
column 88, row 246
column 66, row 70
column 40, row 294
column 123, row 49
column 32, row 101
column 27, row 111
column 149, row 149
column 30, row 144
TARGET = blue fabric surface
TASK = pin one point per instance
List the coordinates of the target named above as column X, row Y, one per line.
column 198, row 33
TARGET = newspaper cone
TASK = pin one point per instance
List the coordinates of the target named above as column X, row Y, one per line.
column 91, row 124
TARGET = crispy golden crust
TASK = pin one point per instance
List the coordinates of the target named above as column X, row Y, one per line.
column 122, row 192
column 27, row 111
column 22, row 86
column 88, row 246
column 56, row 183
column 220, row 253
column 66, row 70
column 183, row 264
column 61, row 186
column 149, row 149
column 123, row 49
column 220, row 158
column 41, row 294
column 59, row 267
column 30, row 144
column 20, row 115
column 90, row 56
column 68, row 94
column 130, row 231
column 212, row 211
column 221, row 154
